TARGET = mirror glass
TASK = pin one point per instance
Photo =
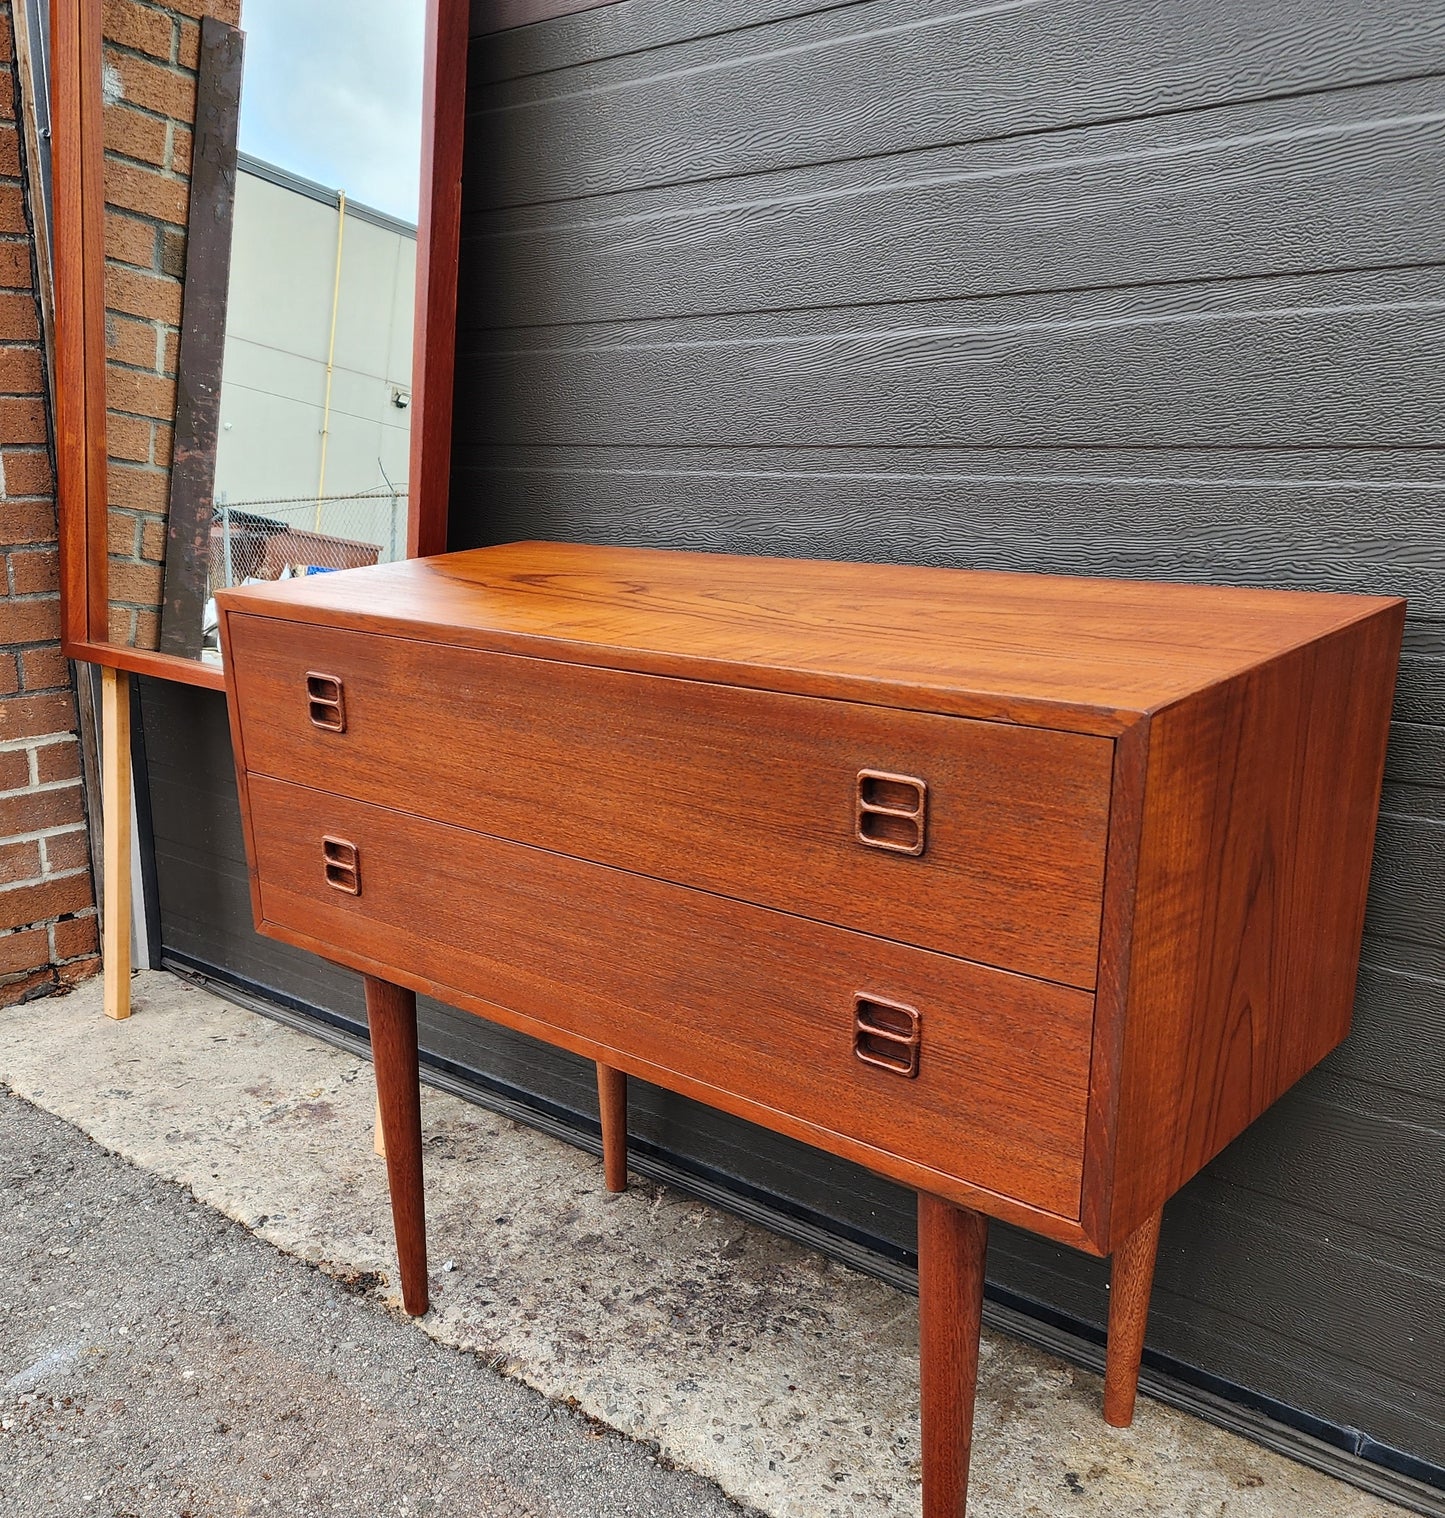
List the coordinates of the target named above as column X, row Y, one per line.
column 261, row 171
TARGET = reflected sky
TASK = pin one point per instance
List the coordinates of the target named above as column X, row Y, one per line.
column 332, row 91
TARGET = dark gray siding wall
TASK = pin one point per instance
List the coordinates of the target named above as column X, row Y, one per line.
column 1097, row 286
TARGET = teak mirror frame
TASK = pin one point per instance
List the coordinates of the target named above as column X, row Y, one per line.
column 78, row 258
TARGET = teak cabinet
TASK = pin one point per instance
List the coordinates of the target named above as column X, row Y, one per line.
column 1027, row 892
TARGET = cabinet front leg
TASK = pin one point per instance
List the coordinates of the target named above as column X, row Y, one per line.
column 952, row 1243
column 612, row 1102
column 1131, row 1279
column 391, row 1011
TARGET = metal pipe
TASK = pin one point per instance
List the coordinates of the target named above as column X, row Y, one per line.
column 331, row 351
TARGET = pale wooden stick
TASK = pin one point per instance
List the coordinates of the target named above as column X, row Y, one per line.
column 115, row 822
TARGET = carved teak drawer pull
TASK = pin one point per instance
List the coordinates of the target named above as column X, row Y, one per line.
column 326, row 701
column 887, row 1034
column 342, row 864
column 892, row 811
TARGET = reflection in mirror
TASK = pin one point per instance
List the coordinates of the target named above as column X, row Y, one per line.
column 259, row 321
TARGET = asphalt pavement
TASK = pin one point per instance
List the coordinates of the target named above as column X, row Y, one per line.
column 159, row 1361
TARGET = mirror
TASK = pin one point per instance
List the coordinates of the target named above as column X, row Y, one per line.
column 260, row 172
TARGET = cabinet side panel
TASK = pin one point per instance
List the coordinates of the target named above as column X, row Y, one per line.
column 238, row 749
column 1259, row 823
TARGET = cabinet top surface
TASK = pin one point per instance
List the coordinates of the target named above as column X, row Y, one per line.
column 1035, row 648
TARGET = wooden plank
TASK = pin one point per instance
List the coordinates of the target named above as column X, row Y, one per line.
column 88, row 19
column 750, row 794
column 1326, row 361
column 1243, row 970
column 607, row 31
column 1046, row 650
column 115, row 814
column 806, row 91
column 203, row 336
column 498, row 15
column 438, row 224
column 1368, row 521
column 1342, row 181
column 69, row 267
column 1009, row 1052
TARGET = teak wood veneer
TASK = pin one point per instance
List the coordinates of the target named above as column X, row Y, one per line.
column 1025, row 891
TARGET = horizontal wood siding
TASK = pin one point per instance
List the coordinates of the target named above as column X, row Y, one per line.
column 1094, row 286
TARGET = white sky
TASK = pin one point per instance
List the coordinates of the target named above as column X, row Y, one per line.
column 332, row 91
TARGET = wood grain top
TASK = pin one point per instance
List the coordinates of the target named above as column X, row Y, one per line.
column 1089, row 653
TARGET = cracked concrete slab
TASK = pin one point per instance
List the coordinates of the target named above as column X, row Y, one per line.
column 787, row 1379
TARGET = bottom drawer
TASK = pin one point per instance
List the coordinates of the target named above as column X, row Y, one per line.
column 976, row 1074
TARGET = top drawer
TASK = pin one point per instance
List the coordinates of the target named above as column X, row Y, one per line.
column 748, row 793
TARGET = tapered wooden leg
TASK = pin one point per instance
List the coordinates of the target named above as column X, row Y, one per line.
column 952, row 1243
column 612, row 1100
column 391, row 1011
column 1131, row 1279
column 115, row 839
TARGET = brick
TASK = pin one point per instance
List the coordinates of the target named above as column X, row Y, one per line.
column 146, row 191
column 147, row 630
column 172, row 350
column 24, row 951
column 139, row 294
column 12, row 210
column 77, row 970
column 9, row 150
column 20, row 369
column 135, row 584
column 44, row 669
column 34, row 572
column 181, row 148
column 28, row 472
column 34, row 811
column 153, row 539
column 22, row 905
column 155, row 87
column 15, row 270
column 140, row 393
column 128, row 437
column 28, row 522
column 23, row 419
column 120, row 626
column 122, row 531
column 228, row 11
column 130, row 239
column 161, row 441
column 28, row 987
column 173, row 252
column 133, row 134
column 19, row 861
column 136, row 488
column 14, row 768
column 9, row 674
column 35, row 621
column 65, row 852
column 139, row 27
column 128, row 340
column 75, row 936
column 188, row 48
column 55, row 762
column 19, row 320
column 36, row 716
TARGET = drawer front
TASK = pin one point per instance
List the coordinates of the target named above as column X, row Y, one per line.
column 973, row 1072
column 749, row 793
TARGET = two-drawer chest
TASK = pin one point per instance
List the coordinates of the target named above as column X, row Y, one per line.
column 1027, row 892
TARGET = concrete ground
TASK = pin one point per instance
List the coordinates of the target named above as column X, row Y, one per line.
column 786, row 1381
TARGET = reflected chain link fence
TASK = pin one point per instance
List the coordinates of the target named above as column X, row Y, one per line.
column 275, row 539
column 299, row 535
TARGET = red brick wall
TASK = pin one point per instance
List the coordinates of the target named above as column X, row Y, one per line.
column 47, row 909
column 150, row 91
